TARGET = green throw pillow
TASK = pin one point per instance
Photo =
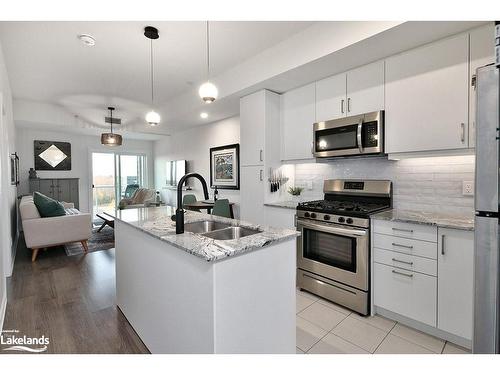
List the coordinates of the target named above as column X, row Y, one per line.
column 48, row 207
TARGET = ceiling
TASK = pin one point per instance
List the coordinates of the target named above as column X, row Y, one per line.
column 59, row 83
column 47, row 63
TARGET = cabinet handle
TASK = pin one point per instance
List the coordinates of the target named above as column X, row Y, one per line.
column 260, row 156
column 342, row 106
column 442, row 244
column 260, row 174
column 348, row 104
column 462, row 132
column 402, row 273
column 402, row 261
column 405, row 246
column 403, row 230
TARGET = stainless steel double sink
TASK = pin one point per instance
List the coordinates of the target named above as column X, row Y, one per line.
column 219, row 231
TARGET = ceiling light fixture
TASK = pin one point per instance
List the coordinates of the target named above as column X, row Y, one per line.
column 208, row 91
column 87, row 39
column 152, row 117
column 203, row 114
column 111, row 139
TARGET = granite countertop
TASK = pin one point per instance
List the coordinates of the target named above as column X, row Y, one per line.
column 157, row 222
column 283, row 204
column 427, row 218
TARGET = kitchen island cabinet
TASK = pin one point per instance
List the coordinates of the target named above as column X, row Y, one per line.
column 188, row 293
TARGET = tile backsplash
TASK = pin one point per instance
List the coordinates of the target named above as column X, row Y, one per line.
column 430, row 184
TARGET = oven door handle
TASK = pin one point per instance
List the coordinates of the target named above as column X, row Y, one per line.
column 359, row 138
column 331, row 229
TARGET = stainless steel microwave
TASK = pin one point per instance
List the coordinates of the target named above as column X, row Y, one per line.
column 350, row 136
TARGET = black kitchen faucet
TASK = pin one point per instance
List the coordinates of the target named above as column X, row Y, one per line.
column 179, row 213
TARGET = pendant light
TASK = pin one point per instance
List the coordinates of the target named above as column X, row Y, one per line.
column 208, row 91
column 111, row 139
column 152, row 117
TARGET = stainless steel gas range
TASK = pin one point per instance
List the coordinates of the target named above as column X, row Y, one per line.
column 333, row 252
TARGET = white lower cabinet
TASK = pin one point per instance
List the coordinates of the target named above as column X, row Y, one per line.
column 279, row 217
column 456, row 280
column 408, row 293
column 429, row 281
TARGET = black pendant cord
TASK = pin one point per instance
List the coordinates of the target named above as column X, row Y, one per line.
column 208, row 52
column 152, row 73
column 111, row 117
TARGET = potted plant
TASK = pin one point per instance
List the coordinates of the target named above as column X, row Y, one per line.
column 295, row 191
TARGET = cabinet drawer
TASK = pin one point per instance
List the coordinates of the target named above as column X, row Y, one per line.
column 411, row 294
column 407, row 230
column 405, row 261
column 405, row 245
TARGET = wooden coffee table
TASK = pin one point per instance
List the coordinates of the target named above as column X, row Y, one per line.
column 108, row 220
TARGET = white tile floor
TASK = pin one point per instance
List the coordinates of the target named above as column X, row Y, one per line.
column 326, row 328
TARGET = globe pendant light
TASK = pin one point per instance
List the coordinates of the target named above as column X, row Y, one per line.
column 208, row 91
column 111, row 139
column 152, row 117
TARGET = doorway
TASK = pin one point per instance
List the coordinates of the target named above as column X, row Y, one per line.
column 112, row 173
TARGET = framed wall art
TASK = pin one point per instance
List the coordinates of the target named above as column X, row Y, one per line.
column 52, row 156
column 225, row 167
column 14, row 169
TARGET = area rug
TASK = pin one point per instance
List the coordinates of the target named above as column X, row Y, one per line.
column 103, row 240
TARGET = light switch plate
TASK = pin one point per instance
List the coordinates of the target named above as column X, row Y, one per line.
column 467, row 188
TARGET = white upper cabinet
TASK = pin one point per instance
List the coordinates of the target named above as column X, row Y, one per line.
column 352, row 93
column 482, row 42
column 426, row 97
column 331, row 98
column 455, row 281
column 252, row 128
column 365, row 89
column 297, row 119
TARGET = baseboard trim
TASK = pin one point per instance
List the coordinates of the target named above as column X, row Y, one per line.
column 433, row 331
column 14, row 253
column 3, row 309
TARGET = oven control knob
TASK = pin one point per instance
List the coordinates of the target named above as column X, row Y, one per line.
column 306, row 214
column 341, row 219
column 313, row 215
column 326, row 217
column 349, row 220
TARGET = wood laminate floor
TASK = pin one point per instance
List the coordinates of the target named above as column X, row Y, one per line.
column 71, row 300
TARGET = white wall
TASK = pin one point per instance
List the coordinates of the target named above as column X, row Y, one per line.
column 81, row 146
column 430, row 184
column 194, row 146
column 8, row 227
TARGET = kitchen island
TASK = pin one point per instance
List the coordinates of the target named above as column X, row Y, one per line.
column 199, row 292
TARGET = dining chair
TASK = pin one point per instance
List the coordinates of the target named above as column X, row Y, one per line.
column 189, row 198
column 221, row 208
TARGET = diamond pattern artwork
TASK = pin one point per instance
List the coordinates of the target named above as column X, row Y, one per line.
column 52, row 156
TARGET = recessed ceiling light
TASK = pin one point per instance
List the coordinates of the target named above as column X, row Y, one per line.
column 203, row 114
column 86, row 39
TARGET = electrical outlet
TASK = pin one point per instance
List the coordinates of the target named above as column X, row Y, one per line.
column 309, row 185
column 467, row 187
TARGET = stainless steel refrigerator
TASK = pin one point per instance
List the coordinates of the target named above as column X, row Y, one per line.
column 486, row 337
